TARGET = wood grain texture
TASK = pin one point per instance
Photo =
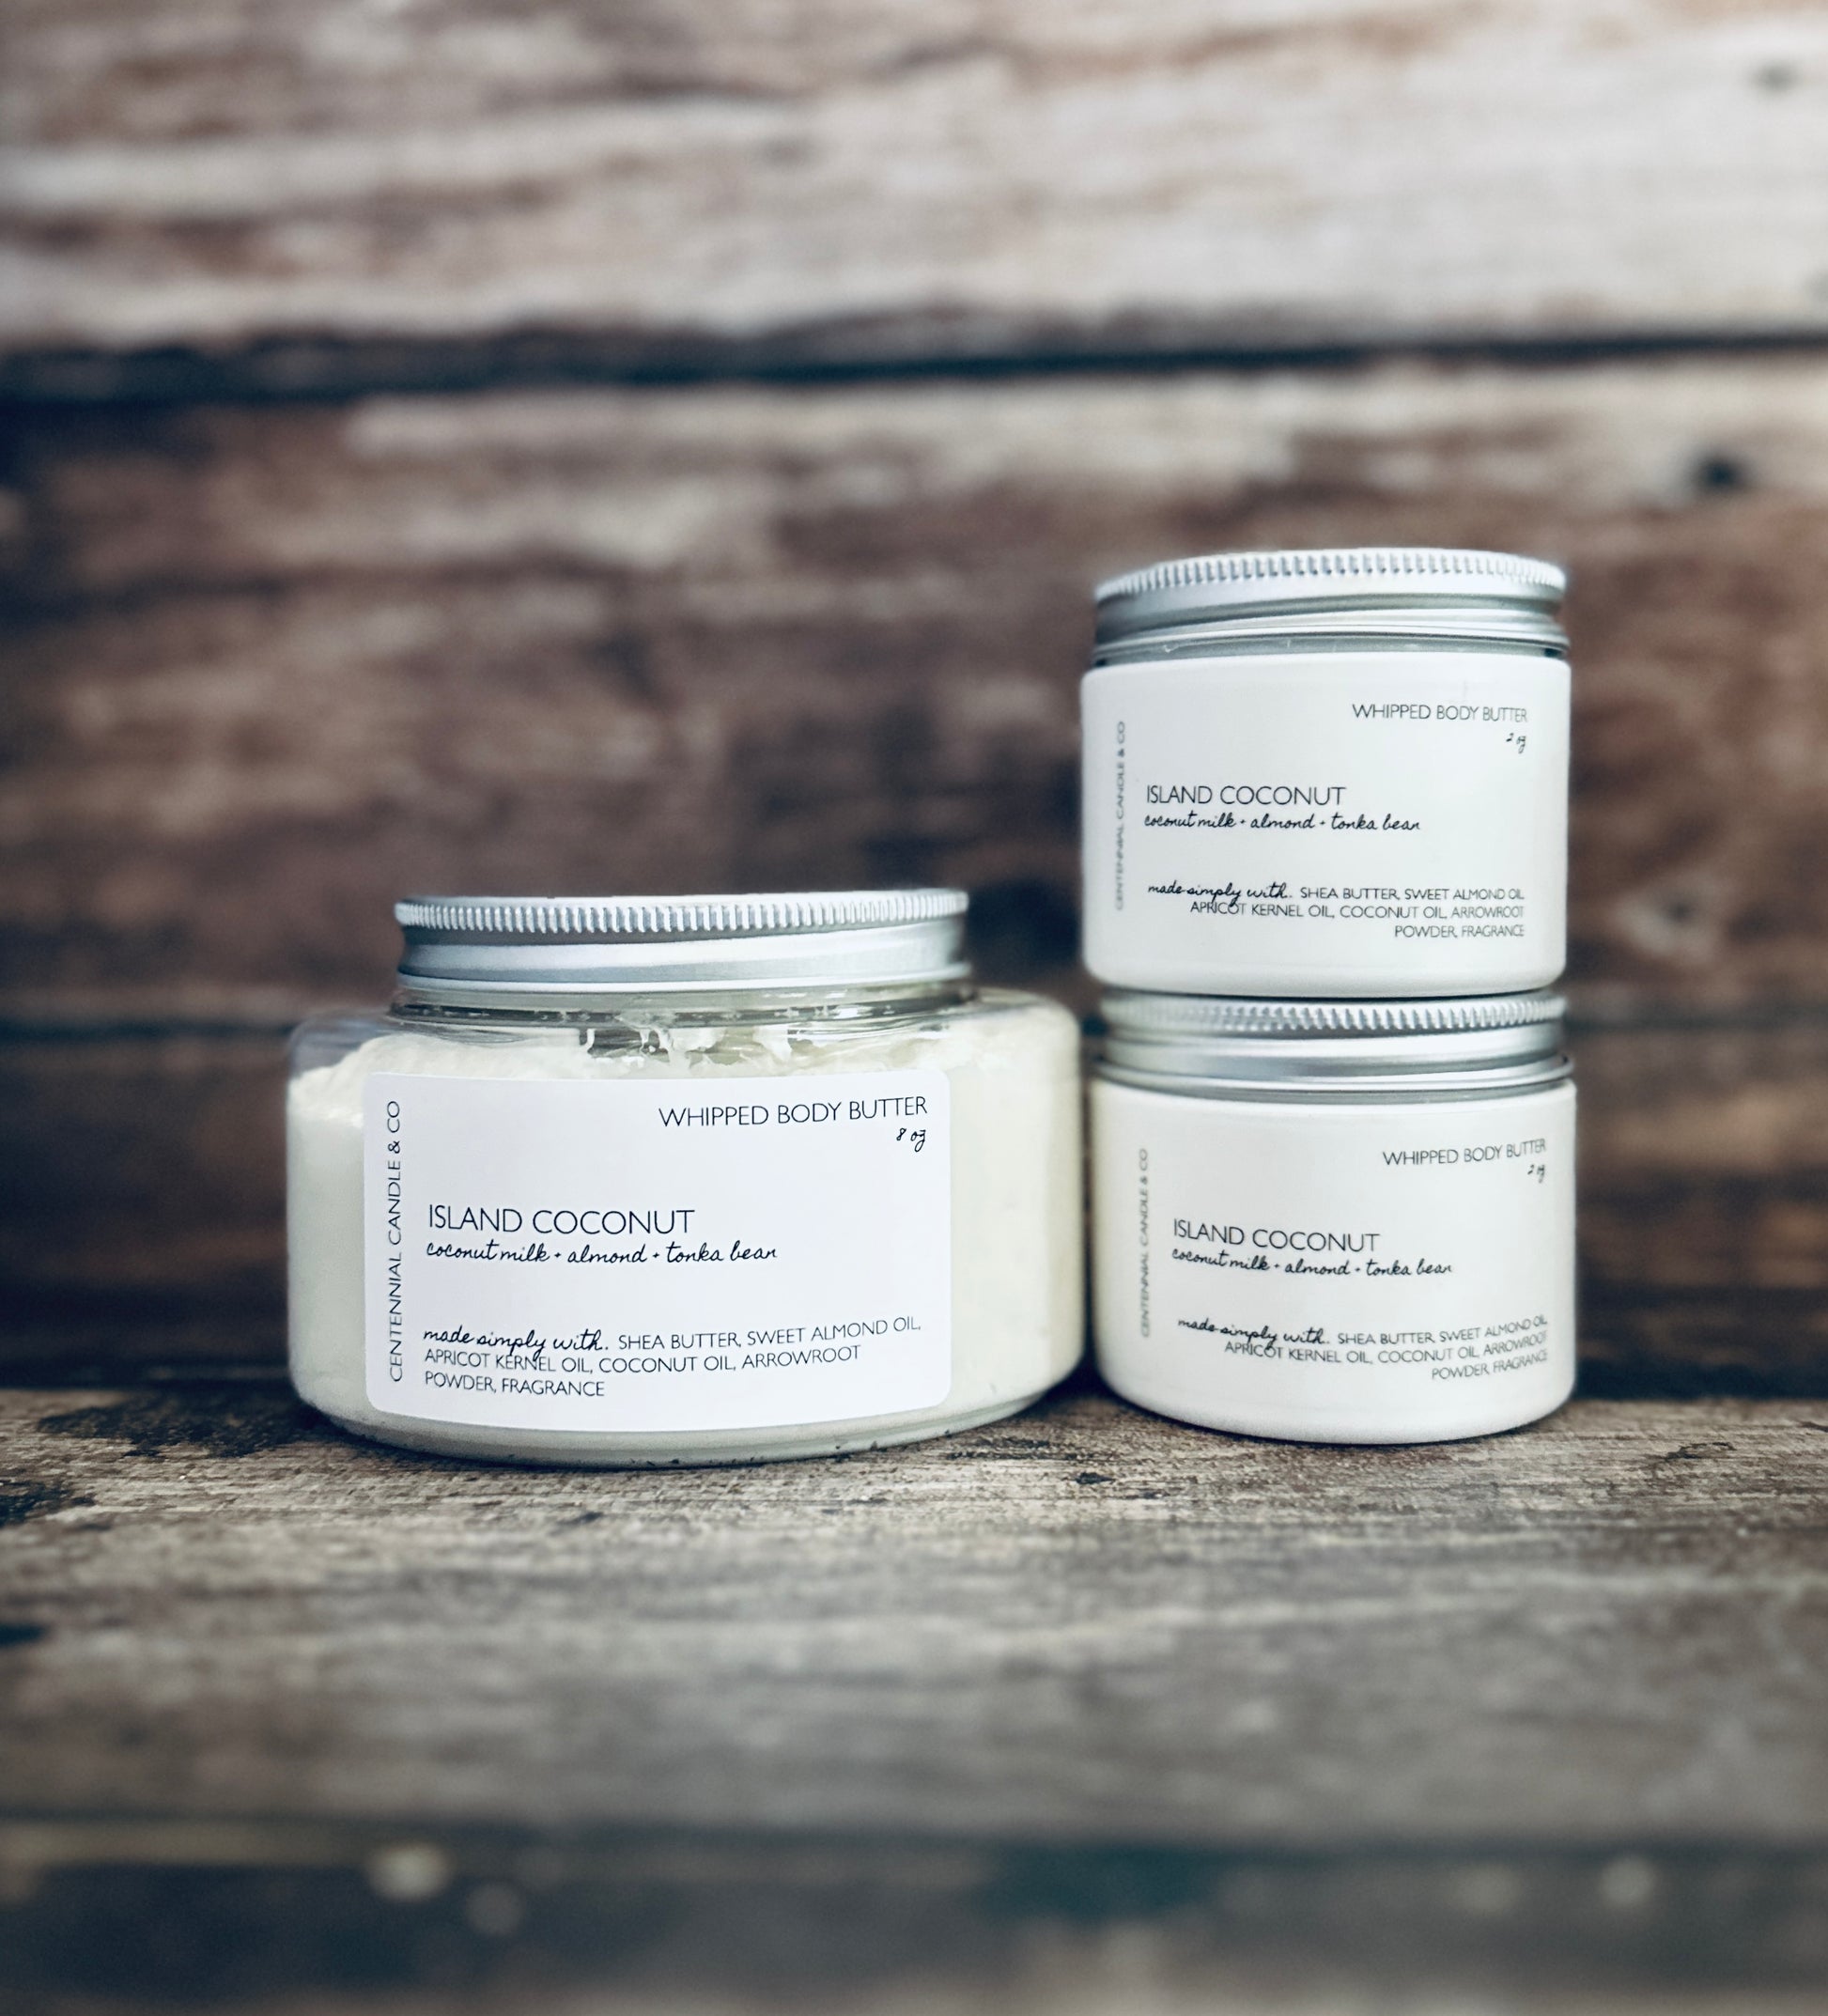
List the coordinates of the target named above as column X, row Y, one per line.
column 1085, row 1625
column 274, row 667
column 1085, row 1712
column 142, row 1199
column 971, row 175
column 1704, row 1156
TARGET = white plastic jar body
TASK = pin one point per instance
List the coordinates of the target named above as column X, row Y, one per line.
column 1334, row 1270
column 532, row 1143
column 1365, row 822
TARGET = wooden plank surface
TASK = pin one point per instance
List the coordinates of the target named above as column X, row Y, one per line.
column 969, row 176
column 306, row 658
column 1083, row 1626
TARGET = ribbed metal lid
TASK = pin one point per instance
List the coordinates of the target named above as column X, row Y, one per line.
column 463, row 948
column 1441, row 591
column 1493, row 1041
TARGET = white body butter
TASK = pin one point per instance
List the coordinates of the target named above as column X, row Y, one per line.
column 708, row 1226
column 1361, row 1232
column 1328, row 774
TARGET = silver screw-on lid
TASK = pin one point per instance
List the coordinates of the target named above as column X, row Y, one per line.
column 463, row 949
column 1412, row 1049
column 1432, row 591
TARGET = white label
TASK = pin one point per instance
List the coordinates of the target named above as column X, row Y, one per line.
column 1391, row 823
column 629, row 1256
column 1366, row 1273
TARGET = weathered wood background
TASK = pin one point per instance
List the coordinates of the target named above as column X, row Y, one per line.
column 610, row 445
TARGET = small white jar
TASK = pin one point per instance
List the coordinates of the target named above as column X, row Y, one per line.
column 1327, row 774
column 1346, row 1221
column 692, row 1180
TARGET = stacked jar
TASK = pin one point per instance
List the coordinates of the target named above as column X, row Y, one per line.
column 1325, row 885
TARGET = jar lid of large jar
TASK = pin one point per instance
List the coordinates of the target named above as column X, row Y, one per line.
column 1426, row 594
column 478, row 949
column 1222, row 1045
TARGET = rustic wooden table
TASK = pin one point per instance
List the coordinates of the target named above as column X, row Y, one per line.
column 1085, row 1710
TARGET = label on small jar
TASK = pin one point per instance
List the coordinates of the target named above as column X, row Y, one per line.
column 631, row 1256
column 1341, row 1273
column 1347, row 823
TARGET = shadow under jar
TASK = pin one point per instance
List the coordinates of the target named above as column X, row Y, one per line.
column 684, row 1180
column 1335, row 1221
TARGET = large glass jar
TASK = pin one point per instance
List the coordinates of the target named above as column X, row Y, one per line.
column 694, row 1180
